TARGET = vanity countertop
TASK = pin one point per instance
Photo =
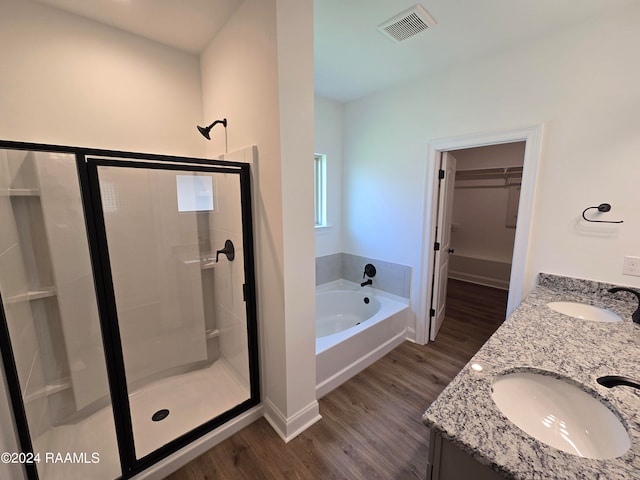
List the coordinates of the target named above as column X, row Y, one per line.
column 537, row 338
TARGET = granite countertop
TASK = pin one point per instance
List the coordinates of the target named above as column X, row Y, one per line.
column 536, row 338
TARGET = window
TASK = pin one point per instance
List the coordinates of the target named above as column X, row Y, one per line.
column 319, row 189
column 195, row 193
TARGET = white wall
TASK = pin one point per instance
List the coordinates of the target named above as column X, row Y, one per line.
column 258, row 73
column 69, row 81
column 582, row 83
column 328, row 126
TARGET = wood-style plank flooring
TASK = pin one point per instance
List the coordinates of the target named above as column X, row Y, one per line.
column 371, row 426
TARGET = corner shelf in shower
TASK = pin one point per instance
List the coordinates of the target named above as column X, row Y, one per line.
column 32, row 295
column 213, row 333
column 48, row 390
column 205, row 263
column 19, row 192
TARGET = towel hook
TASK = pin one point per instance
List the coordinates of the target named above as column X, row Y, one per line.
column 603, row 207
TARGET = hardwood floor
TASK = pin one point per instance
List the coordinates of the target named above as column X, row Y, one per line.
column 371, row 426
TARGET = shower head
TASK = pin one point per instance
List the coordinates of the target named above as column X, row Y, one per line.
column 206, row 131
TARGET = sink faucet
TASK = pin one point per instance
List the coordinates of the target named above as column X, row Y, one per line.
column 636, row 315
column 615, row 380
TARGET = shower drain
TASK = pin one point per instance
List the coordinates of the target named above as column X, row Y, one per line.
column 160, row 415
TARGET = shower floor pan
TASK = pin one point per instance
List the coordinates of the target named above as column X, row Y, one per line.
column 191, row 399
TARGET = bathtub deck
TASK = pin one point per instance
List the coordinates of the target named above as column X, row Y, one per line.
column 371, row 426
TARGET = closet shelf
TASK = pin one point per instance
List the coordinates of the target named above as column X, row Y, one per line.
column 489, row 173
column 510, row 177
column 19, row 192
column 48, row 390
column 32, row 295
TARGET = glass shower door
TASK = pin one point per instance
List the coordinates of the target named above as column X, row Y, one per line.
column 172, row 239
column 50, row 332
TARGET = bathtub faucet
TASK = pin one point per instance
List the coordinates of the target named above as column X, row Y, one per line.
column 368, row 282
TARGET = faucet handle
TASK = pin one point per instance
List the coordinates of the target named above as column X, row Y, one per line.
column 369, row 270
column 228, row 250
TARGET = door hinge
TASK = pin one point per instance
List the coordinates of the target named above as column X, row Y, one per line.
column 440, row 174
column 436, row 246
column 432, row 313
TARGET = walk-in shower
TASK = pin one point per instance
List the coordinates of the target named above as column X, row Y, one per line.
column 123, row 339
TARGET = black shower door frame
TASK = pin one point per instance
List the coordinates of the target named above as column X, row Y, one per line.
column 87, row 163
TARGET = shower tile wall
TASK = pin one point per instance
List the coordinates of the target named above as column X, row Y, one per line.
column 71, row 322
column 328, row 268
column 8, row 441
column 228, row 276
column 16, row 171
column 155, row 264
column 390, row 277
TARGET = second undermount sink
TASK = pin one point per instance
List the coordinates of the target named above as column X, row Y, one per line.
column 584, row 311
column 560, row 414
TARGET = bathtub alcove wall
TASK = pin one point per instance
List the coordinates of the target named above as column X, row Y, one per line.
column 121, row 334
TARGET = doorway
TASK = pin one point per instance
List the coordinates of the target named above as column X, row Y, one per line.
column 521, row 280
column 478, row 220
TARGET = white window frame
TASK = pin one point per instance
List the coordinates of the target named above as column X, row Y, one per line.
column 320, row 189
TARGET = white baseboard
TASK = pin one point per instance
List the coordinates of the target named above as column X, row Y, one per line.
column 480, row 280
column 356, row 367
column 411, row 334
column 289, row 428
column 173, row 462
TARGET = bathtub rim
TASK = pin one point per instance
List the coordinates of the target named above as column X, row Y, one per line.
column 396, row 305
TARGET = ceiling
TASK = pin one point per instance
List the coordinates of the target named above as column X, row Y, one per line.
column 187, row 25
column 352, row 59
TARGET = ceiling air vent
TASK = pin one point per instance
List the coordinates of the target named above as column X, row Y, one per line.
column 407, row 24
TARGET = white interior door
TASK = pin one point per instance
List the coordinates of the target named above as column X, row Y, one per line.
column 443, row 242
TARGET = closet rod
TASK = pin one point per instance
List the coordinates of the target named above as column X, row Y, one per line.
column 488, row 186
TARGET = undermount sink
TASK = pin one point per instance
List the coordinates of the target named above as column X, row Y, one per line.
column 560, row 414
column 584, row 311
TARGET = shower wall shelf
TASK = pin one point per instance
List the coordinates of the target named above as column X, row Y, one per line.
column 212, row 333
column 32, row 295
column 205, row 263
column 64, row 384
column 20, row 192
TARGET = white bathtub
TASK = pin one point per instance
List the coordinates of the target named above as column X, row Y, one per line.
column 352, row 334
